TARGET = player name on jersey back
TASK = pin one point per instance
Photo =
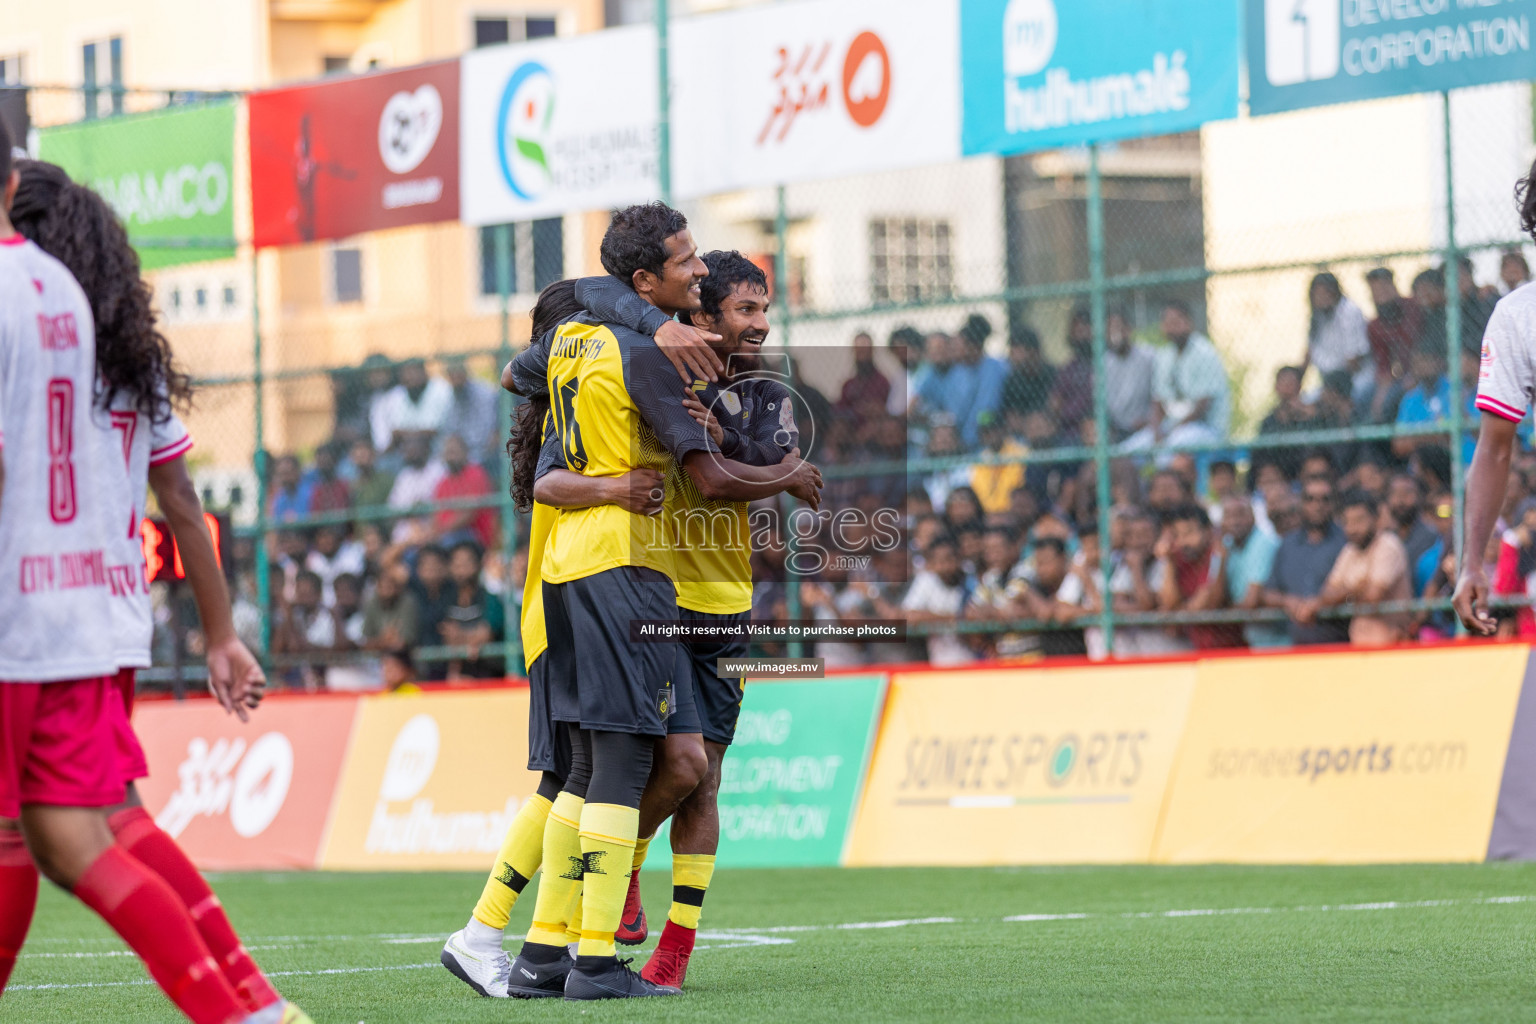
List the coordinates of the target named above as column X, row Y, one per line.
column 55, row 543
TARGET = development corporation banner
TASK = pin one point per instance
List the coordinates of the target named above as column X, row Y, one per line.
column 431, row 782
column 341, row 157
column 544, row 131
column 168, row 174
column 1306, row 53
column 1002, row 766
column 1038, row 74
column 818, row 89
column 790, row 783
column 1389, row 756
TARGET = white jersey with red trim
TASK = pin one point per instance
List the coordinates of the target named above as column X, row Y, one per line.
column 54, row 537
column 143, row 443
column 1506, row 382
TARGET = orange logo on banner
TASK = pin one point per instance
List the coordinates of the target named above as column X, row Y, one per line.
column 1022, row 766
column 245, row 796
column 432, row 781
column 866, row 105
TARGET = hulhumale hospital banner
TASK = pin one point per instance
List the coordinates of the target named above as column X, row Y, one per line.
column 1306, row 53
column 1038, row 74
column 169, row 175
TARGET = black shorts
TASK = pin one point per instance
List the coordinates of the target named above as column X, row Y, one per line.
column 549, row 748
column 719, row 699
column 616, row 685
column 684, row 716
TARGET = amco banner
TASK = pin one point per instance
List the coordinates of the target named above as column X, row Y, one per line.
column 169, row 175
column 1038, row 74
column 356, row 154
column 1305, row 53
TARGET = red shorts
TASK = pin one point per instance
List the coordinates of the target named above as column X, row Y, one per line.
column 59, row 744
column 130, row 753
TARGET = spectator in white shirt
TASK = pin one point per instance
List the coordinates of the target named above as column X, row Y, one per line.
column 1337, row 336
column 938, row 595
column 417, row 403
column 414, row 485
column 1191, row 396
column 332, row 556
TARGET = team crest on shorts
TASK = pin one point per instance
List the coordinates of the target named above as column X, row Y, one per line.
column 664, row 701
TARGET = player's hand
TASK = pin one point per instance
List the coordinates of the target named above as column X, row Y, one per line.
column 641, row 491
column 235, row 677
column 1471, row 603
column 705, row 417
column 687, row 349
column 804, row 479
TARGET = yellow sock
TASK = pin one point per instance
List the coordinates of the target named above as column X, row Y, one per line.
column 642, row 847
column 560, row 886
column 691, row 873
column 608, row 835
column 521, row 851
column 573, row 926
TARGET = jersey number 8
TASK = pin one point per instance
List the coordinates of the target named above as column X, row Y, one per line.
column 61, row 448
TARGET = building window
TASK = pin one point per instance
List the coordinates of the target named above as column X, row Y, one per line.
column 13, row 70
column 337, row 65
column 910, row 261
column 346, row 274
column 538, row 256
column 102, row 76
column 629, row 12
column 494, row 31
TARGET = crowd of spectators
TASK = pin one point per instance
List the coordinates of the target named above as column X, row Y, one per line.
column 998, row 516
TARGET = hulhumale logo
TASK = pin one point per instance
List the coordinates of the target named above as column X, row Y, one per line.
column 522, row 128
column 1030, row 35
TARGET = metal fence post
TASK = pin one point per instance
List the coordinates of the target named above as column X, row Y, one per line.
column 512, row 634
column 664, row 97
column 263, row 573
column 1453, row 341
column 1100, row 386
column 792, row 605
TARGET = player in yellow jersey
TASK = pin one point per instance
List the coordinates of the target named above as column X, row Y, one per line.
column 751, row 418
column 608, row 572
column 474, row 954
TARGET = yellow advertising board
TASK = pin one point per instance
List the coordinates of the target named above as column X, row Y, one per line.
column 431, row 782
column 1343, row 758
column 1022, row 766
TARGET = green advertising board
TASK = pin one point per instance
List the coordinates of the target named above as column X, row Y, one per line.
column 791, row 781
column 169, row 175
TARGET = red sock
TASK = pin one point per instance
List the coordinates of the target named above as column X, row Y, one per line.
column 146, row 913
column 675, row 937
column 137, row 833
column 18, row 897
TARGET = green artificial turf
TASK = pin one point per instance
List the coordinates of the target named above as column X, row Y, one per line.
column 1315, row 955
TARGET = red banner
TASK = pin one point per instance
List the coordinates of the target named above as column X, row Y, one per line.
column 238, row 796
column 357, row 154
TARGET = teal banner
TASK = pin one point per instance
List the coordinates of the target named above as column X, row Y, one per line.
column 791, row 781
column 168, row 174
column 1307, row 53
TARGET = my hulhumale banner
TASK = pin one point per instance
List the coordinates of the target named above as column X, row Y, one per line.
column 1038, row 74
column 1306, row 53
column 791, row 781
column 169, row 175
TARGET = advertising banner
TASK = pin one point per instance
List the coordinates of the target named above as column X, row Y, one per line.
column 337, row 158
column 545, row 131
column 432, row 781
column 818, row 89
column 790, row 783
column 1022, row 767
column 1038, row 74
column 169, row 175
column 238, row 796
column 1306, row 53
column 1392, row 756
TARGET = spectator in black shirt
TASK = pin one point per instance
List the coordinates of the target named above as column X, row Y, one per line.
column 1030, row 378
column 432, row 591
column 472, row 617
column 1405, row 510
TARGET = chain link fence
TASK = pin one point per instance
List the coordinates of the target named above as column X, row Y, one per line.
column 1099, row 388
